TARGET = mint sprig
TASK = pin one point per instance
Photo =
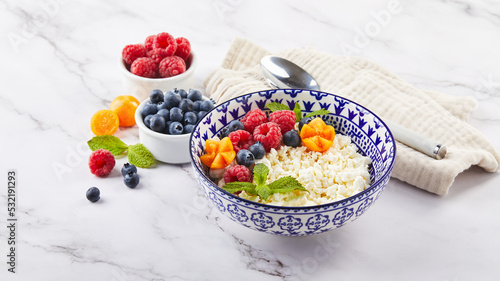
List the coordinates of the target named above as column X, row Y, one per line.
column 297, row 111
column 317, row 112
column 110, row 143
column 260, row 172
column 138, row 154
column 274, row 106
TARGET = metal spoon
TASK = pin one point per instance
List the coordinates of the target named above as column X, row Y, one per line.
column 282, row 73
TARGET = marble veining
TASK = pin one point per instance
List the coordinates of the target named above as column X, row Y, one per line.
column 59, row 66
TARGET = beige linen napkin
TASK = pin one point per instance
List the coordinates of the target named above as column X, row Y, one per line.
column 439, row 116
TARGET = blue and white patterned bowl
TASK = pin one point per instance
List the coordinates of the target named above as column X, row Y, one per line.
column 365, row 129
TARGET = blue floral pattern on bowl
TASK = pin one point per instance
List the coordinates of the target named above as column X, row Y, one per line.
column 365, row 129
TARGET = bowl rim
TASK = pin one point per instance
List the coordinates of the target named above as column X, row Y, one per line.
column 327, row 205
column 189, row 70
column 148, row 131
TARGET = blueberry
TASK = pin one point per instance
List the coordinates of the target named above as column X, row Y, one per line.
column 194, row 95
column 127, row 167
column 304, row 121
column 291, row 138
column 190, row 118
column 196, row 105
column 206, row 105
column 235, row 125
column 200, row 114
column 245, row 158
column 181, row 92
column 156, row 96
column 165, row 113
column 149, row 109
column 176, row 114
column 161, row 105
column 172, row 100
column 157, row 123
column 147, row 120
column 93, row 194
column 186, row 105
column 131, row 179
column 175, row 128
column 257, row 150
column 188, row 129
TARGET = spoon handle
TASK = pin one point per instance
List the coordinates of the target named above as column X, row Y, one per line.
column 419, row 142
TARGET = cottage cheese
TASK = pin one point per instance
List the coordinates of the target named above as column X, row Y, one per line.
column 335, row 174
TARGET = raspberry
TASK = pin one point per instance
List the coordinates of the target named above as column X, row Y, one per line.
column 253, row 118
column 157, row 55
column 101, row 162
column 132, row 52
column 165, row 41
column 286, row 119
column 148, row 43
column 171, row 66
column 144, row 67
column 183, row 48
column 269, row 134
column 237, row 173
column 241, row 140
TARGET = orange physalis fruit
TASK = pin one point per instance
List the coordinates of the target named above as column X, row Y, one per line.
column 218, row 154
column 125, row 107
column 104, row 122
column 317, row 136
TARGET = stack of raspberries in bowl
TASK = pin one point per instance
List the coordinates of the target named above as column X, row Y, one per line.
column 161, row 56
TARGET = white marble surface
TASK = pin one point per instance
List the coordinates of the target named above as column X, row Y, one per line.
column 61, row 68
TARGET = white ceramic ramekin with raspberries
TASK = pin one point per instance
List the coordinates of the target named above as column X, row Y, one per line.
column 161, row 62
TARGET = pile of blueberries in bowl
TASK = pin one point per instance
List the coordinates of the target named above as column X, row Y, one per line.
column 175, row 112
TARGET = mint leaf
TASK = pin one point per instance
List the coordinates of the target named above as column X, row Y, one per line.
column 140, row 156
column 286, row 184
column 236, row 186
column 297, row 111
column 274, row 106
column 317, row 112
column 110, row 143
column 263, row 191
column 260, row 172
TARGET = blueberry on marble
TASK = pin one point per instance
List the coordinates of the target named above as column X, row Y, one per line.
column 245, row 157
column 291, row 138
column 93, row 194
column 194, row 95
column 131, row 179
column 149, row 109
column 175, row 128
column 157, row 123
column 156, row 96
column 176, row 114
column 257, row 150
column 127, row 167
column 190, row 118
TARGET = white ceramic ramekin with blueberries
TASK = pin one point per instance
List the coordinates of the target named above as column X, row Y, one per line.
column 166, row 120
